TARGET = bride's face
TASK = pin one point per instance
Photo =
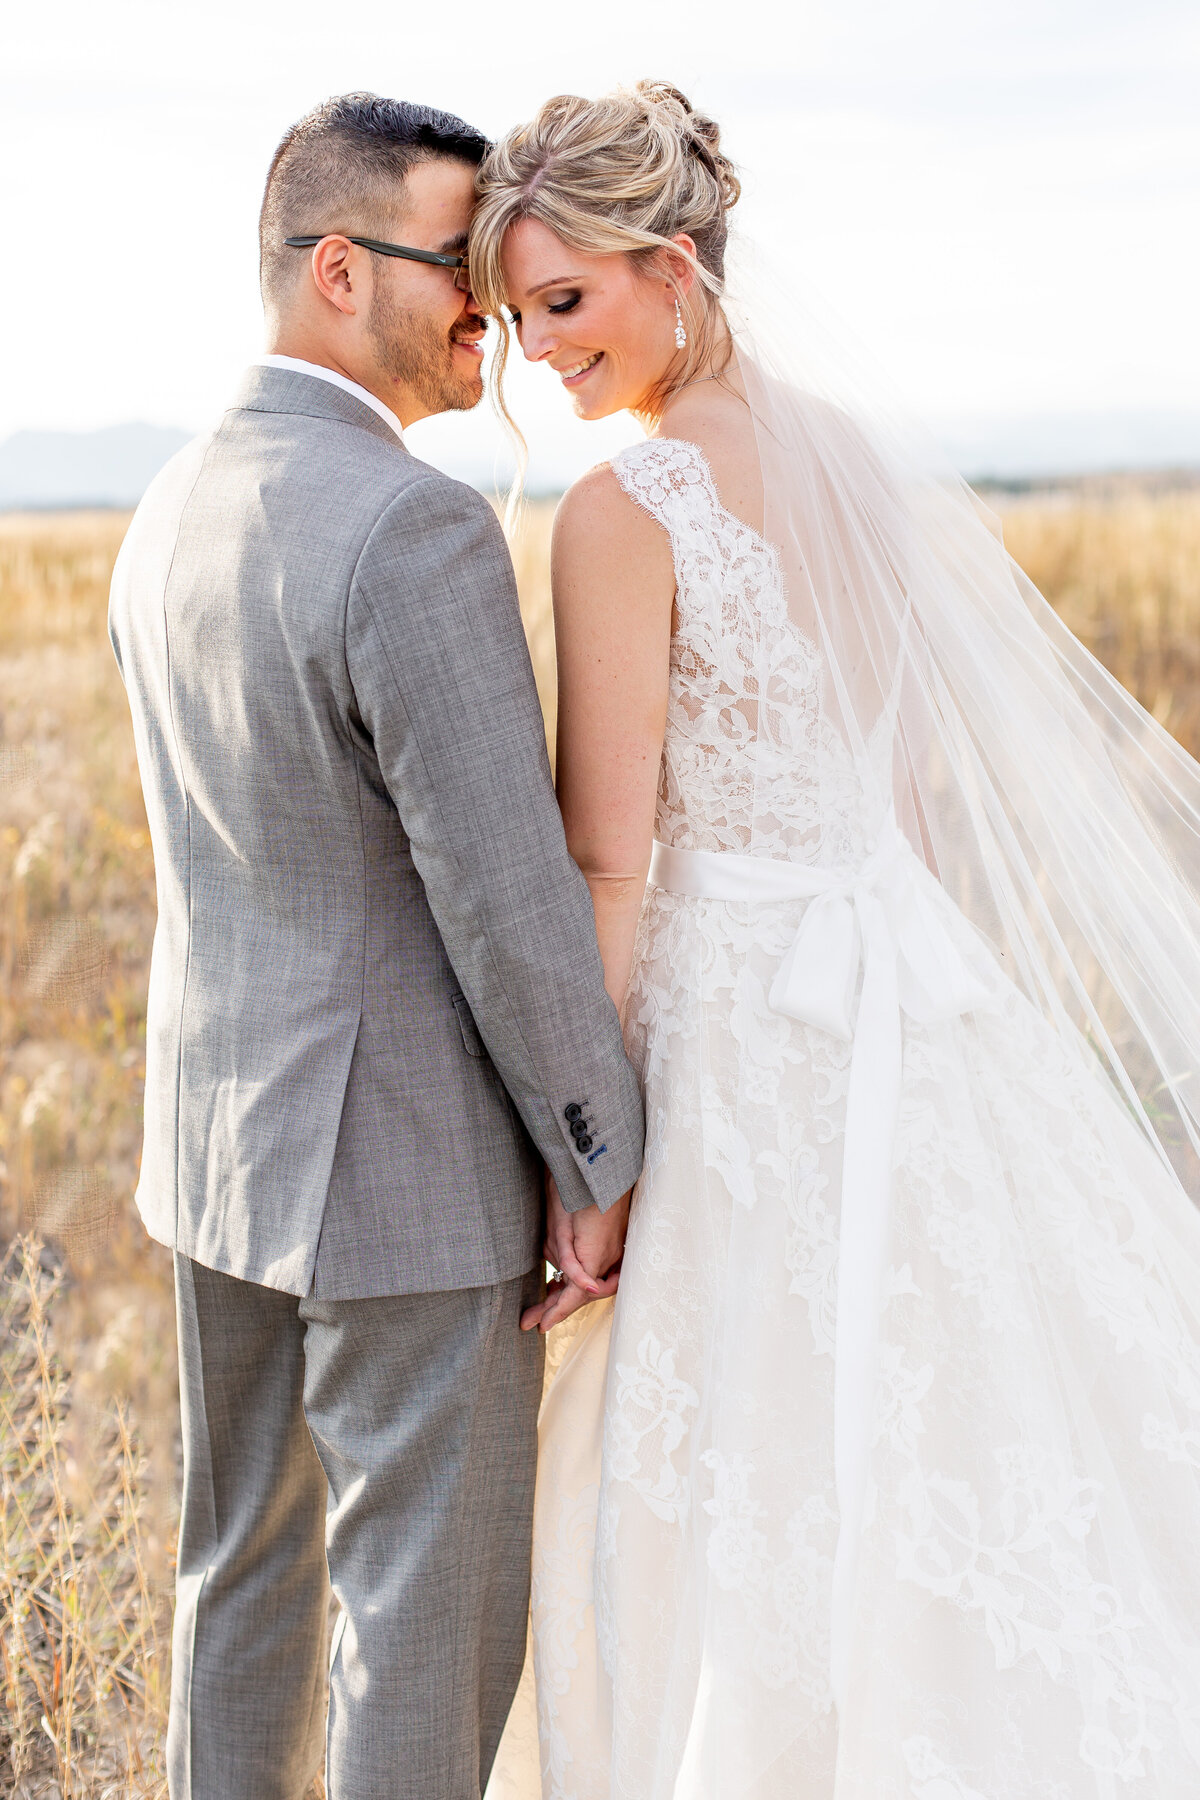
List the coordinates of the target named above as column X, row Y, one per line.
column 606, row 330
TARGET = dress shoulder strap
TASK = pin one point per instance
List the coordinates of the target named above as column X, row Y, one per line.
column 671, row 479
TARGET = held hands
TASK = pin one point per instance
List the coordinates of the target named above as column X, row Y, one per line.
column 587, row 1248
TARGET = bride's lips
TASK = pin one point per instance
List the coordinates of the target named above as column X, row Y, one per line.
column 579, row 372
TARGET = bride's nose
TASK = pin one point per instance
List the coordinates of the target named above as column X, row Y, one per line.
column 537, row 342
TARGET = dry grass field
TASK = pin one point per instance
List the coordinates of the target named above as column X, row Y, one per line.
column 88, row 1440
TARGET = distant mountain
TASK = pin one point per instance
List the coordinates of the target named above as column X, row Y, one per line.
column 112, row 467
column 1031, row 446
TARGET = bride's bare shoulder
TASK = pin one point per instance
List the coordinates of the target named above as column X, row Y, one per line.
column 610, row 563
column 597, row 516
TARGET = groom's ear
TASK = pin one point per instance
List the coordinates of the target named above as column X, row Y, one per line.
column 339, row 272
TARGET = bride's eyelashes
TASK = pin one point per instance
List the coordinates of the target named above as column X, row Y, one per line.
column 561, row 306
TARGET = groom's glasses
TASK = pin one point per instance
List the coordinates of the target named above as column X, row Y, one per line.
column 462, row 279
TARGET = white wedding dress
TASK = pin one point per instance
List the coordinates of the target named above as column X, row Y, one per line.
column 841, row 1504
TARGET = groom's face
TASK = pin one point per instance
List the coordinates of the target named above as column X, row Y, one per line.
column 426, row 335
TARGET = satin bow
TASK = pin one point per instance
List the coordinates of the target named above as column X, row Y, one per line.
column 885, row 919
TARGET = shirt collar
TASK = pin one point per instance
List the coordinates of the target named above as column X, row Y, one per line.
column 343, row 381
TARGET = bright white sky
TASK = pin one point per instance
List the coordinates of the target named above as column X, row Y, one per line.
column 1000, row 198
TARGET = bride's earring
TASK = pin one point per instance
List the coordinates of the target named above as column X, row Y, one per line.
column 680, row 328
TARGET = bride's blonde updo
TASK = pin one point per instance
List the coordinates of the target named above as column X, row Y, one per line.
column 628, row 173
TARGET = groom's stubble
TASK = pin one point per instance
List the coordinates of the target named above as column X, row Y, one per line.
column 413, row 350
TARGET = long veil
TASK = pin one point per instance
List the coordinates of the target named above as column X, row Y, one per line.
column 1058, row 815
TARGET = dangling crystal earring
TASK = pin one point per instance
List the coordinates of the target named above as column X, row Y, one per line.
column 680, row 328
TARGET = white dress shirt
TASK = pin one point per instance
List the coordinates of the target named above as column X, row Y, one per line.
column 342, row 381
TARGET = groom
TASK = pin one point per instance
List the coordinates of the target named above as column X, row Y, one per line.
column 376, row 1007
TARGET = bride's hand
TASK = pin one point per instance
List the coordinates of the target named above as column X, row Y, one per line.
column 563, row 1298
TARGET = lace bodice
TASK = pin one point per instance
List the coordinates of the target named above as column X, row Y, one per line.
column 750, row 764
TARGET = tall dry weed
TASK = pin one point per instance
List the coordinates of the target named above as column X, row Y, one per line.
column 83, row 1621
column 87, row 1379
column 1125, row 576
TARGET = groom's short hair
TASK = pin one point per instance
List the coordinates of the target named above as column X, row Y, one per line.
column 342, row 168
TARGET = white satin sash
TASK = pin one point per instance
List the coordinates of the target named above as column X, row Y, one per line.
column 881, row 919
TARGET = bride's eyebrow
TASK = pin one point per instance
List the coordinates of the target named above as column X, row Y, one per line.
column 558, row 281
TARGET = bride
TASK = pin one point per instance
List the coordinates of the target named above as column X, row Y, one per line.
column 880, row 1477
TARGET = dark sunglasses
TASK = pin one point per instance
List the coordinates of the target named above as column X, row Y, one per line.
column 462, row 280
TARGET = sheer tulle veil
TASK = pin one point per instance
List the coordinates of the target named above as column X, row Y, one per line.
column 1057, row 814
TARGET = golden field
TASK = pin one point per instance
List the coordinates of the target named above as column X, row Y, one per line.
column 88, row 1439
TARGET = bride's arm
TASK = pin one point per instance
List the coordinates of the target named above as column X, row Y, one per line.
column 614, row 586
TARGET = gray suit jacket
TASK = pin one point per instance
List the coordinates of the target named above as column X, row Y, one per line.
column 376, row 1001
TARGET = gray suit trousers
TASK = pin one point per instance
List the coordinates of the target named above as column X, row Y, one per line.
column 386, row 1446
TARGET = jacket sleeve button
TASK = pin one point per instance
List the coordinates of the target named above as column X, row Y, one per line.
column 572, row 1112
column 583, row 1144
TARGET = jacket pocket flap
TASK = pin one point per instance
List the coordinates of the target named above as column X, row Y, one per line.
column 472, row 1042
